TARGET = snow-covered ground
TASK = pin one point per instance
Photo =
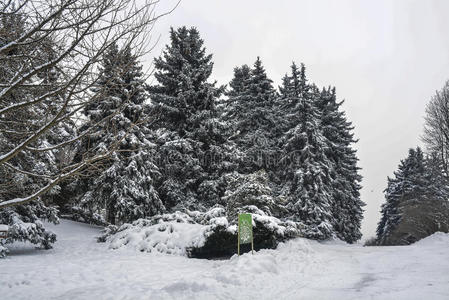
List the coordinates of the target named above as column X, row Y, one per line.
column 80, row 268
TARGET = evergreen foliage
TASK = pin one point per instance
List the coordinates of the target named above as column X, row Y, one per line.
column 347, row 206
column 284, row 155
column 124, row 186
column 248, row 189
column 417, row 178
column 304, row 141
column 307, row 169
column 192, row 155
column 251, row 111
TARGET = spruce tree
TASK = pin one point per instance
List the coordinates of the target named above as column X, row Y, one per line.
column 251, row 111
column 347, row 205
column 293, row 86
column 410, row 180
column 192, row 155
column 239, row 82
column 248, row 189
column 183, row 91
column 124, row 185
column 307, row 169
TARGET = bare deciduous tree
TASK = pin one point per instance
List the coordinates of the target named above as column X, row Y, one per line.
column 436, row 128
column 73, row 34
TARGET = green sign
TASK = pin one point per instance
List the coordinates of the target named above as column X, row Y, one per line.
column 245, row 231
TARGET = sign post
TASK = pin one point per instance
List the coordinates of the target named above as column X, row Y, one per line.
column 245, row 232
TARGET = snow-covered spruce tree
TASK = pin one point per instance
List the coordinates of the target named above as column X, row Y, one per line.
column 416, row 201
column 235, row 98
column 307, row 169
column 293, row 86
column 239, row 83
column 251, row 111
column 347, row 206
column 410, row 180
column 248, row 189
column 124, row 186
column 192, row 155
column 31, row 169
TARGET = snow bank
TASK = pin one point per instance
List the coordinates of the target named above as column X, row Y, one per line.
column 438, row 238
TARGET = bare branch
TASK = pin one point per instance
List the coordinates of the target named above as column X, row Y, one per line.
column 67, row 38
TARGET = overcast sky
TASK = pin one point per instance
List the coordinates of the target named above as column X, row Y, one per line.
column 386, row 59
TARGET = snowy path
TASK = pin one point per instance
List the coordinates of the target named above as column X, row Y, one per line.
column 80, row 268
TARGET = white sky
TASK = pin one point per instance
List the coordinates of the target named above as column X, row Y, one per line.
column 386, row 59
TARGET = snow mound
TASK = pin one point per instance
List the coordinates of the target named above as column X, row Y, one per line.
column 298, row 245
column 264, row 262
column 438, row 238
column 165, row 237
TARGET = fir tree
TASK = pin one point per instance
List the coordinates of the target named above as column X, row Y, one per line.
column 124, row 186
column 248, row 189
column 183, row 91
column 294, row 85
column 409, row 180
column 191, row 150
column 239, row 82
column 251, row 110
column 347, row 206
column 307, row 170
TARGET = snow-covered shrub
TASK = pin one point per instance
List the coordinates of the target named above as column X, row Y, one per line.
column 34, row 233
column 3, row 251
column 221, row 233
column 25, row 224
column 194, row 217
column 198, row 234
column 205, row 218
column 168, row 233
